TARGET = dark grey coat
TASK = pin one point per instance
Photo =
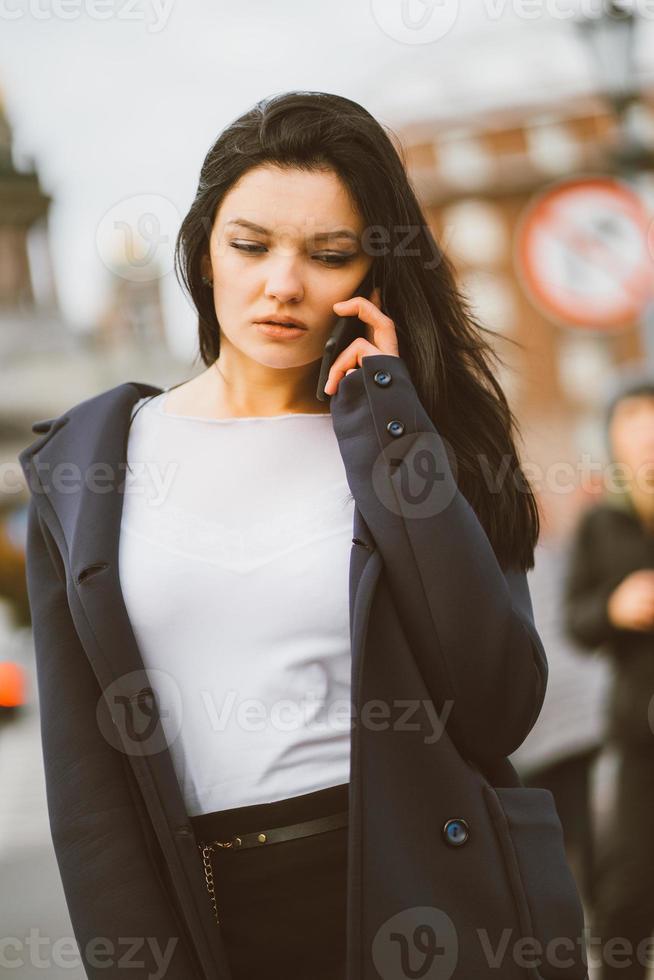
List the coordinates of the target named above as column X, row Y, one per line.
column 438, row 630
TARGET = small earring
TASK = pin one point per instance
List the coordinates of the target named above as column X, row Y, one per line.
column 206, row 281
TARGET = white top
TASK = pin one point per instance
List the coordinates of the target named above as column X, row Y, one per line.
column 234, row 566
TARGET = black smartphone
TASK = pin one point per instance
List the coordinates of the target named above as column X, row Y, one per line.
column 345, row 330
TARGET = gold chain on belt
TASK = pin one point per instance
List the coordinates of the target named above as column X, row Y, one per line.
column 207, row 850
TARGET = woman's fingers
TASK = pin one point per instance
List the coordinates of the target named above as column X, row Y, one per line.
column 380, row 328
column 348, row 360
column 381, row 337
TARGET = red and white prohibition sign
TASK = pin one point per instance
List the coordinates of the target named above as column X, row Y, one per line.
column 583, row 255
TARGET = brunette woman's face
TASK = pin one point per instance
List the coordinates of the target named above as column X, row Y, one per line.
column 284, row 243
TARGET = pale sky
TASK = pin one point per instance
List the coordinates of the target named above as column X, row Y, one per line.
column 119, row 100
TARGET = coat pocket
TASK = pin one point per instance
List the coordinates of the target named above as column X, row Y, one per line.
column 549, row 906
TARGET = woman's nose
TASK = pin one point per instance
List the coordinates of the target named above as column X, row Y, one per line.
column 284, row 285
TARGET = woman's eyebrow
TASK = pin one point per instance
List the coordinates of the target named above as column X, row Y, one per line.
column 317, row 236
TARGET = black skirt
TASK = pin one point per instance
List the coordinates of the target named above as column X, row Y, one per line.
column 282, row 906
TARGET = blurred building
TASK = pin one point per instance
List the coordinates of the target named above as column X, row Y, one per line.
column 133, row 317
column 46, row 365
column 475, row 179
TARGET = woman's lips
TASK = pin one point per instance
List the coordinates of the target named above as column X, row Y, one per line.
column 278, row 331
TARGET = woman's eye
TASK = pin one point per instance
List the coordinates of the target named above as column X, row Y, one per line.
column 335, row 258
column 328, row 258
column 246, row 246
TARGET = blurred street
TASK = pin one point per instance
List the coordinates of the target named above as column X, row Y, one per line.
column 32, row 904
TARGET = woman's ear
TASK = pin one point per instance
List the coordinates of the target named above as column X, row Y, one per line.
column 205, row 267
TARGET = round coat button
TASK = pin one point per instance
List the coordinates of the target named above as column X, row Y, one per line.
column 456, row 832
column 395, row 427
column 382, row 378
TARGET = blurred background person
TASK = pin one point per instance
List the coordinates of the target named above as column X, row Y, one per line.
column 609, row 606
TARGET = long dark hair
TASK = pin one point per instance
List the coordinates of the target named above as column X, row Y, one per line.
column 449, row 359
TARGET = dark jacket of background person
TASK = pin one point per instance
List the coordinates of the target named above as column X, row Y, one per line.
column 434, row 620
column 611, row 542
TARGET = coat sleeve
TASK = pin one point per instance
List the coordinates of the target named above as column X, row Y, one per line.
column 470, row 623
column 586, row 590
column 109, row 881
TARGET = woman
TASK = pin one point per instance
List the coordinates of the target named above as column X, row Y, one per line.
column 303, row 842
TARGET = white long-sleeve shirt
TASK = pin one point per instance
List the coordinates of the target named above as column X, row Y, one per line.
column 234, row 563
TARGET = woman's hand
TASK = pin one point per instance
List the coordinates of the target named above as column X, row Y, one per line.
column 381, row 337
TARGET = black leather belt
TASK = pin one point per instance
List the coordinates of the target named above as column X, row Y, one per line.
column 278, row 834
